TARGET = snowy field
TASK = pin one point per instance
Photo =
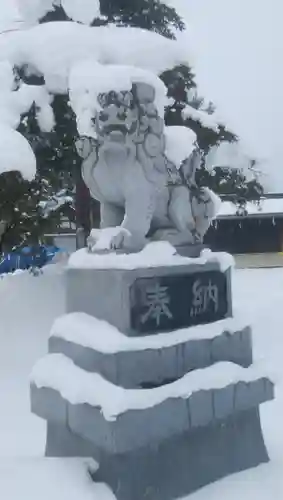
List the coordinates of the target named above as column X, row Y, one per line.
column 28, row 306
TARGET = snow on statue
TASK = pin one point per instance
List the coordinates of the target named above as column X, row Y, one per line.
column 141, row 191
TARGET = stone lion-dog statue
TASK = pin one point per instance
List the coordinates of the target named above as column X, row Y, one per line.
column 143, row 195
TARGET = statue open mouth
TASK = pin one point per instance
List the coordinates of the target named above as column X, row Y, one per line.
column 117, row 129
column 117, row 135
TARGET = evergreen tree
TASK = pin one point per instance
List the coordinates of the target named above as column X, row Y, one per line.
column 57, row 159
column 22, row 204
column 153, row 15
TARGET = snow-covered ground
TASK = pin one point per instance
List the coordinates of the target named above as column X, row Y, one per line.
column 28, row 306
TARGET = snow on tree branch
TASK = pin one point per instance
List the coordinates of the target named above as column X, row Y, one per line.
column 205, row 119
column 39, row 46
column 84, row 11
column 16, row 153
column 70, row 57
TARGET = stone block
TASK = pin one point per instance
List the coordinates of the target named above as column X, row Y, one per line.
column 88, row 423
column 86, row 358
column 241, row 346
column 269, row 390
column 197, row 354
column 200, row 408
column 140, row 368
column 223, row 402
column 235, row 347
column 48, row 404
column 150, row 300
column 242, row 400
column 260, row 390
column 61, row 442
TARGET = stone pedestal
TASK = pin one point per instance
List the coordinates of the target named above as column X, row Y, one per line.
column 149, row 374
column 146, row 301
column 178, row 467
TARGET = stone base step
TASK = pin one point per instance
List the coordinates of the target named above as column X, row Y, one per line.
column 119, row 420
column 132, row 362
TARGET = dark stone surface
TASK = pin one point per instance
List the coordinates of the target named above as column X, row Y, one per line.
column 179, row 466
column 174, row 302
column 192, row 251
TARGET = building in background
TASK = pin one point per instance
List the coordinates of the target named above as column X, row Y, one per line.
column 255, row 228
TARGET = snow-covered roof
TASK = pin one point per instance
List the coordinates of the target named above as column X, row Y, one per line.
column 266, row 207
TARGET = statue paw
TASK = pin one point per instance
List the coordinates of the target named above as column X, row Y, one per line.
column 85, row 146
column 108, row 239
column 121, row 239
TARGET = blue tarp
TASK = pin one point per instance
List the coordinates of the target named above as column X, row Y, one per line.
column 27, row 257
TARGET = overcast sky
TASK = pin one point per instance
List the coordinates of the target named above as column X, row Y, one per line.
column 9, row 15
column 237, row 48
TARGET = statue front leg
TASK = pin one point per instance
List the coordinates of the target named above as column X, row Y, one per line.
column 129, row 234
column 111, row 216
column 139, row 210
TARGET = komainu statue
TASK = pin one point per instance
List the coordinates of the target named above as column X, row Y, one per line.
column 143, row 195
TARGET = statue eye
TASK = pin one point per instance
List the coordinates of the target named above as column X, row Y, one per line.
column 122, row 115
column 103, row 117
column 102, row 99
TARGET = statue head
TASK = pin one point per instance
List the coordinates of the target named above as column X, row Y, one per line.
column 127, row 115
column 127, row 128
column 117, row 119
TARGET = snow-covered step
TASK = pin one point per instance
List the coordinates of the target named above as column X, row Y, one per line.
column 46, row 479
column 161, row 443
column 119, row 420
column 97, row 346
